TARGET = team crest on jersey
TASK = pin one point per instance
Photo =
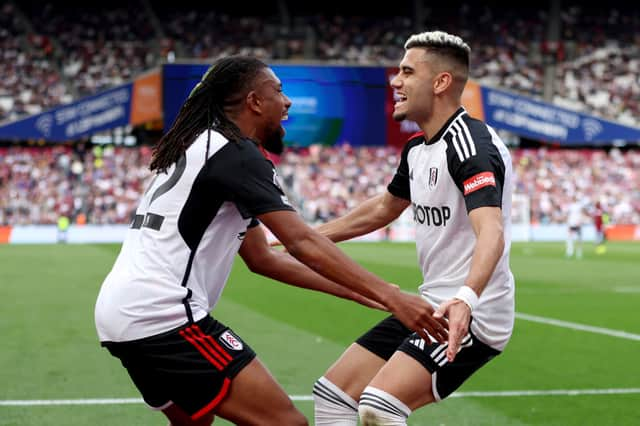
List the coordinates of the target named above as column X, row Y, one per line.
column 231, row 341
column 433, row 177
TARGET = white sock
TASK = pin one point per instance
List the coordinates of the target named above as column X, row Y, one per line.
column 332, row 406
column 379, row 408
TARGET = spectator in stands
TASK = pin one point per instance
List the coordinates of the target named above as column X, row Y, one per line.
column 77, row 51
column 106, row 191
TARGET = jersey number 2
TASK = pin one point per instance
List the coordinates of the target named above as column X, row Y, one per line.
column 152, row 220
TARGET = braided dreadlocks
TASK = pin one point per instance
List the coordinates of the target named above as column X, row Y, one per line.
column 223, row 86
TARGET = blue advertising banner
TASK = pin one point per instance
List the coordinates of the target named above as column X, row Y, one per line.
column 104, row 111
column 330, row 104
column 542, row 121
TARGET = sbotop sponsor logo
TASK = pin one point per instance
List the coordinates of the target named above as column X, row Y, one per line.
column 231, row 341
column 431, row 215
column 479, row 181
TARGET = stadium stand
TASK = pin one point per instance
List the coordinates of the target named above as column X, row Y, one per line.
column 30, row 82
column 52, row 53
column 97, row 47
column 78, row 50
column 39, row 184
column 103, row 184
column 329, row 181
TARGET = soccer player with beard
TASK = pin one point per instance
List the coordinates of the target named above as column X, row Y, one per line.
column 213, row 183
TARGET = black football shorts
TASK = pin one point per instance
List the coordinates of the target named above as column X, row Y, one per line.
column 390, row 335
column 191, row 366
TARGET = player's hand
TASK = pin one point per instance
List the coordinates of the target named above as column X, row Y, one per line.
column 417, row 314
column 459, row 315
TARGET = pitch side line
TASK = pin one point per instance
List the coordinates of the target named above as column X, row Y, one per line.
column 576, row 326
column 489, row 394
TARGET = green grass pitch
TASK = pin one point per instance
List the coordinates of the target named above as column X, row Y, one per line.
column 49, row 350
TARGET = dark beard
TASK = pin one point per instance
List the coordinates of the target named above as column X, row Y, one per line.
column 274, row 142
column 399, row 117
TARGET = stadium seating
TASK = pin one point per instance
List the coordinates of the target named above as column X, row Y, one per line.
column 39, row 184
column 323, row 182
column 327, row 182
column 54, row 53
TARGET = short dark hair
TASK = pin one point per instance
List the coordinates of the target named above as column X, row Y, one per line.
column 441, row 43
column 224, row 85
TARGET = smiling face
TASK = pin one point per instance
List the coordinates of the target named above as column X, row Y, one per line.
column 274, row 106
column 413, row 86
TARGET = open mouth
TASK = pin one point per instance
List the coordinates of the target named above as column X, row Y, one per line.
column 400, row 98
column 285, row 117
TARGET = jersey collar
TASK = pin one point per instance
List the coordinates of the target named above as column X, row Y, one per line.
column 263, row 151
column 445, row 127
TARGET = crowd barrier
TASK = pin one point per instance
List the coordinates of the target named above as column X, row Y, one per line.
column 402, row 232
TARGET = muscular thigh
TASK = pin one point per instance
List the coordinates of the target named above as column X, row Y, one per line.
column 353, row 371
column 419, row 373
column 255, row 398
column 406, row 379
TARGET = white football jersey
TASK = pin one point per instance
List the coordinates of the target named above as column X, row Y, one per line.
column 575, row 214
column 463, row 167
column 179, row 250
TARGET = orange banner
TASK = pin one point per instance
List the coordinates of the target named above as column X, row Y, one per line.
column 5, row 234
column 146, row 104
column 472, row 100
column 623, row 233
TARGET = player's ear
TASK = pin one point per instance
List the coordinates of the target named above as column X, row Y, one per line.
column 254, row 102
column 441, row 82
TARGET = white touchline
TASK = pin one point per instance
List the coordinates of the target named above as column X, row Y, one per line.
column 550, row 392
column 576, row 326
column 93, row 401
column 474, row 394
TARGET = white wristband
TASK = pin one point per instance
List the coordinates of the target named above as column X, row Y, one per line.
column 468, row 296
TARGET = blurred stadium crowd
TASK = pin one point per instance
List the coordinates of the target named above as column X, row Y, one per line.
column 102, row 186
column 575, row 55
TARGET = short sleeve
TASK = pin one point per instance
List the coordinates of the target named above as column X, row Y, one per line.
column 480, row 177
column 399, row 185
column 249, row 180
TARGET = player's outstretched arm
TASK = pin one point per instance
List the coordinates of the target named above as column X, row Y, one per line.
column 264, row 260
column 370, row 215
column 325, row 258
